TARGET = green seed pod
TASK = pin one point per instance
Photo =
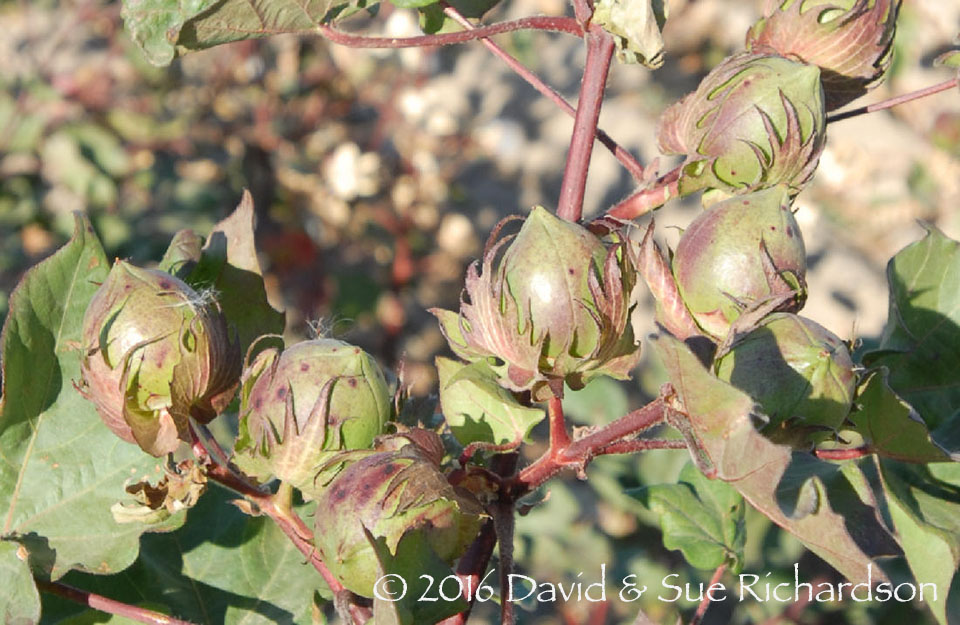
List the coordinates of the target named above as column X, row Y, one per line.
column 800, row 374
column 554, row 308
column 155, row 354
column 739, row 254
column 390, row 493
column 850, row 40
column 755, row 121
column 299, row 407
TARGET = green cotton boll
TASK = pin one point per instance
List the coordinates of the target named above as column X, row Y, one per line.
column 554, row 307
column 800, row 374
column 155, row 354
column 739, row 254
column 299, row 406
column 851, row 41
column 757, row 120
column 390, row 493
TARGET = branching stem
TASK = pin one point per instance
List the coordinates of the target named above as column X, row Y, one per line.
column 104, row 604
column 625, row 157
column 647, row 199
column 606, row 440
column 895, row 101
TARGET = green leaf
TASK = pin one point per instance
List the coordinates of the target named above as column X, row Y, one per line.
column 61, row 467
column 228, row 264
column 702, row 518
column 478, row 409
column 921, row 342
column 890, row 426
column 926, row 513
column 19, row 598
column 221, row 568
column 412, row 563
column 155, row 25
column 635, row 26
column 717, row 425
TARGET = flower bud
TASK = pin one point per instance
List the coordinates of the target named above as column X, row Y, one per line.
column 390, row 493
column 739, row 254
column 155, row 353
column 755, row 121
column 800, row 374
column 556, row 307
column 850, row 40
column 300, row 406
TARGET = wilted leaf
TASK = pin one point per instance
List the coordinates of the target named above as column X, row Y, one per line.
column 229, row 265
column 477, row 408
column 926, row 512
column 19, row 599
column 921, row 342
column 838, row 523
column 702, row 518
column 62, row 467
column 635, row 26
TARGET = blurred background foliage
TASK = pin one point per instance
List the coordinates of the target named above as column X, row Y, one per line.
column 377, row 175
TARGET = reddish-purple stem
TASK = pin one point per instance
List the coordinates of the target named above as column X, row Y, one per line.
column 555, row 24
column 581, row 451
column 641, row 444
column 559, row 438
column 599, row 53
column 645, row 200
column 625, row 157
column 895, row 101
column 705, row 602
column 843, row 454
column 99, row 602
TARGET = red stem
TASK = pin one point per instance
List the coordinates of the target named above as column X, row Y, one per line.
column 641, row 444
column 705, row 602
column 286, row 519
column 579, row 453
column 897, row 100
column 559, row 439
column 599, row 53
column 645, row 200
column 626, row 158
column 99, row 602
column 555, row 24
column 843, row 454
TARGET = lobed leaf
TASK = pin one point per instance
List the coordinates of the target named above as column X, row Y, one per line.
column 703, row 518
column 60, row 467
column 478, row 409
